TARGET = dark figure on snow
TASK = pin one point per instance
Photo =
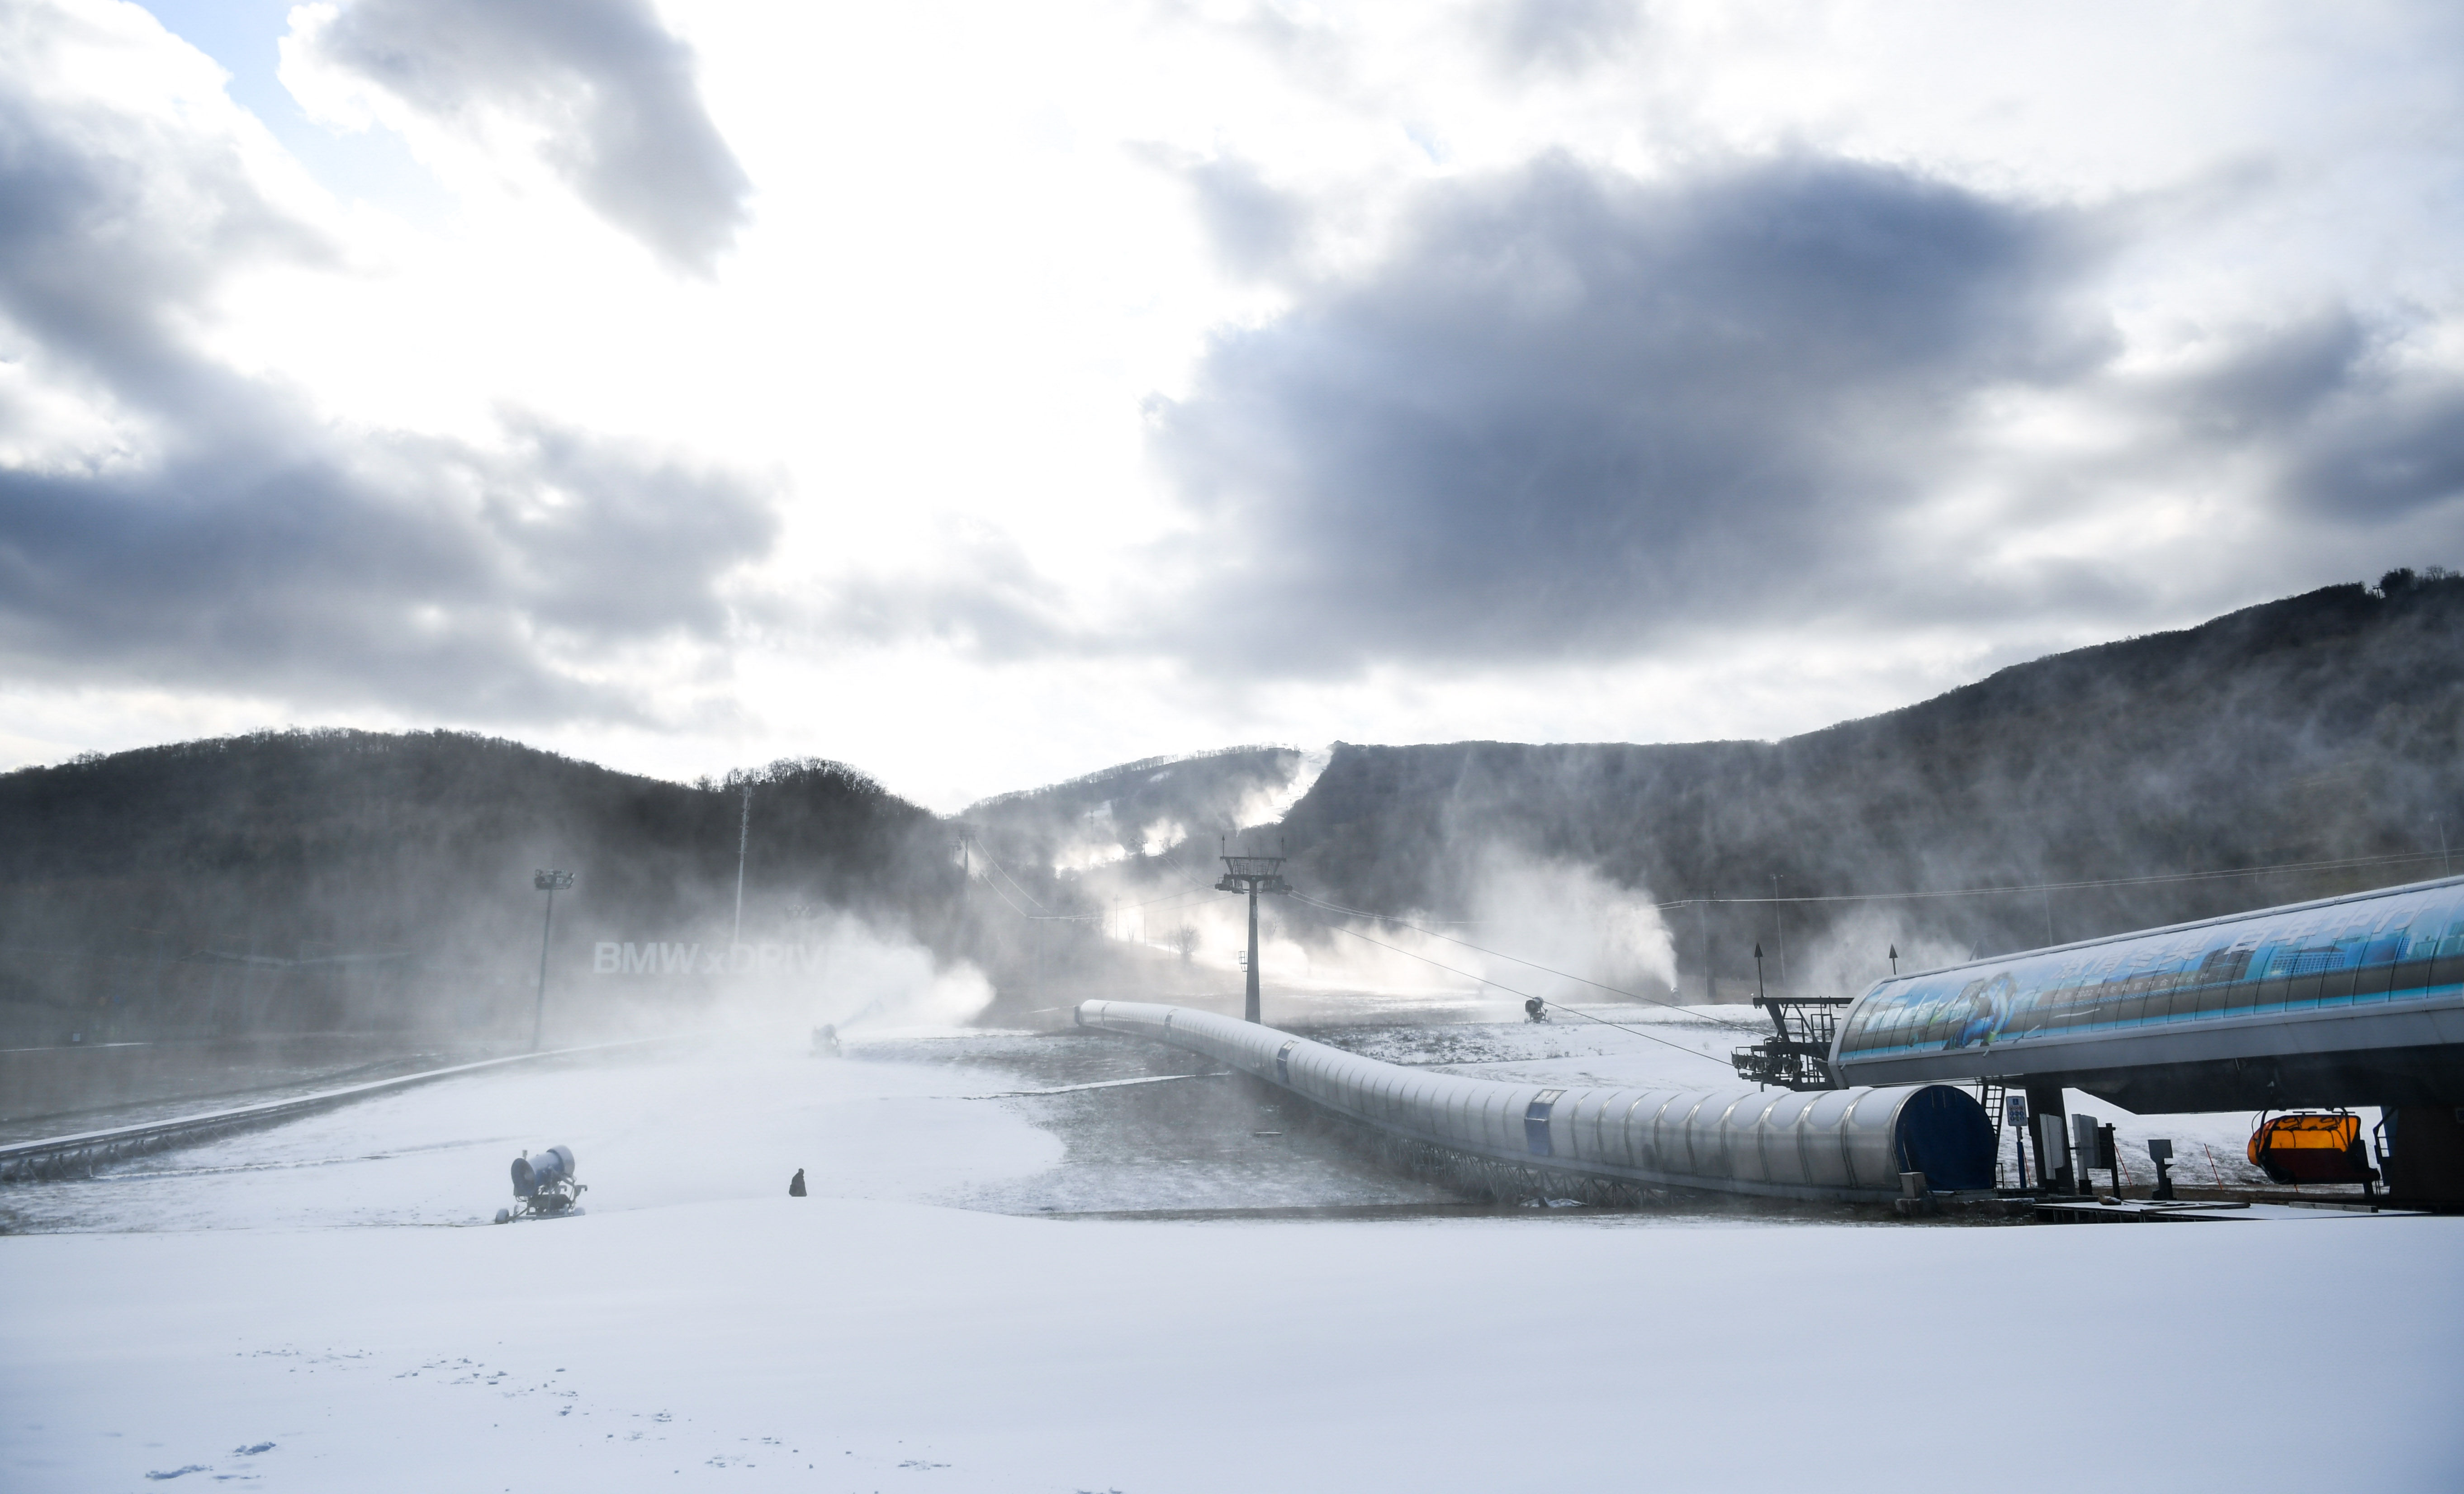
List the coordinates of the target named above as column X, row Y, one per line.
column 796, row 1184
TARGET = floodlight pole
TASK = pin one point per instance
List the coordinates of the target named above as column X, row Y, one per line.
column 550, row 882
column 1253, row 874
column 743, row 837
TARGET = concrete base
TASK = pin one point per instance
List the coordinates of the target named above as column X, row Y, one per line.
column 2147, row 1211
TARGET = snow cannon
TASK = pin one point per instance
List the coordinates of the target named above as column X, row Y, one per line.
column 535, row 1175
column 543, row 1185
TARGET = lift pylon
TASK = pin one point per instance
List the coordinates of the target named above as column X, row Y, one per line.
column 1253, row 875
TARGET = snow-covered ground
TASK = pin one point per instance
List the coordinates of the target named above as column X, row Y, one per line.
column 318, row 1307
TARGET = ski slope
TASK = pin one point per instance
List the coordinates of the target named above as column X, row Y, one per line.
column 318, row 1308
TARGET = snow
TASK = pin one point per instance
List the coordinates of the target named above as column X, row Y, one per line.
column 314, row 1307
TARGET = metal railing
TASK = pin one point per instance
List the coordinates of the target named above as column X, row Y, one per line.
column 77, row 1155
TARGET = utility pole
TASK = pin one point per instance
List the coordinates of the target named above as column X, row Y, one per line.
column 1711, row 982
column 1252, row 874
column 966, row 873
column 550, row 882
column 1779, row 922
column 743, row 836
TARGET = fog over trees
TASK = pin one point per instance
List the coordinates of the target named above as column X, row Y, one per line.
column 2323, row 727
column 343, row 880
column 310, row 880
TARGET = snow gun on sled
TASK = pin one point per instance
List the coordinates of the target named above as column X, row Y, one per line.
column 543, row 1186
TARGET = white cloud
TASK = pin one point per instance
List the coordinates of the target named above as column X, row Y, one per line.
column 973, row 244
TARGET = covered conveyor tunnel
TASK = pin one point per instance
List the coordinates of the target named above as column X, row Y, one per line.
column 1842, row 1145
column 2347, row 1000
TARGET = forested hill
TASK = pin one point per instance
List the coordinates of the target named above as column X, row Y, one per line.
column 2322, row 727
column 1121, row 811
column 314, row 879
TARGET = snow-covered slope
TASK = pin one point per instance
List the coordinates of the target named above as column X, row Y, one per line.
column 297, row 1310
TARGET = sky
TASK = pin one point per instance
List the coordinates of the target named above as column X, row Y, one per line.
column 981, row 395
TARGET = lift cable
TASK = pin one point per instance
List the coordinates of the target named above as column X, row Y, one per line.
column 1517, row 960
column 1166, row 898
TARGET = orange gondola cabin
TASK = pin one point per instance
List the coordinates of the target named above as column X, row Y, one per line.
column 2314, row 1148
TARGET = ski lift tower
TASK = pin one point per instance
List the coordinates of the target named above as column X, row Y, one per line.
column 1253, row 875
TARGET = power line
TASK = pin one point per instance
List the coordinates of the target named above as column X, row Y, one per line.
column 994, row 862
column 1008, row 901
column 1012, row 904
column 1166, row 898
column 1046, row 916
column 2340, row 864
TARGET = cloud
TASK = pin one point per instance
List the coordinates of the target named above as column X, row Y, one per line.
column 222, row 535
column 1253, row 228
column 2369, row 436
column 981, row 595
column 1572, row 416
column 1556, row 35
column 1571, row 409
column 375, row 568
column 605, row 89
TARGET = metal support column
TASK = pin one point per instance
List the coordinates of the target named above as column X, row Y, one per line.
column 1253, row 875
column 550, row 882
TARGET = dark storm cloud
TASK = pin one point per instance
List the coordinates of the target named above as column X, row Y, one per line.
column 1572, row 410
column 2398, row 456
column 300, row 573
column 251, row 547
column 2367, row 437
column 612, row 87
column 2259, row 385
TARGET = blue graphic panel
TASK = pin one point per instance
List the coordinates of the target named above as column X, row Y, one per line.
column 2375, row 948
